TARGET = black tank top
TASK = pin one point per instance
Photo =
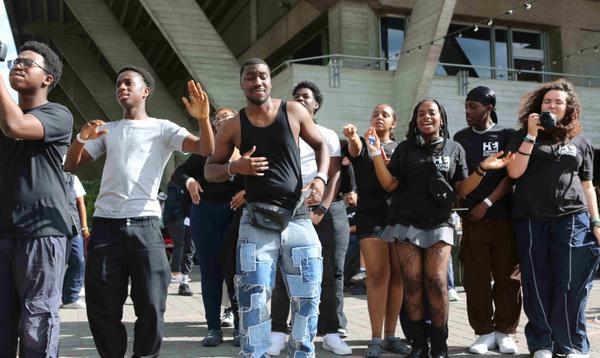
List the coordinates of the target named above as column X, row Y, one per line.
column 282, row 183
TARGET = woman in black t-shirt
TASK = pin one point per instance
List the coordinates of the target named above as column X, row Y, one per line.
column 384, row 283
column 425, row 173
column 555, row 214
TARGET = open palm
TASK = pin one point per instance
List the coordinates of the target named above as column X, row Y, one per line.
column 496, row 161
column 198, row 105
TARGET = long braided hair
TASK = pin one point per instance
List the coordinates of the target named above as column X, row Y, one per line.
column 413, row 131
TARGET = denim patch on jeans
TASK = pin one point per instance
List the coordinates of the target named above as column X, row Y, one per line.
column 298, row 250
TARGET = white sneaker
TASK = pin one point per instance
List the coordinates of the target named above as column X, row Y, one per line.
column 483, row 343
column 542, row 353
column 77, row 305
column 578, row 355
column 334, row 343
column 277, row 343
column 359, row 278
column 506, row 343
column 453, row 295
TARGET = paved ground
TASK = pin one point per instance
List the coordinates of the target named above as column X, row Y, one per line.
column 186, row 326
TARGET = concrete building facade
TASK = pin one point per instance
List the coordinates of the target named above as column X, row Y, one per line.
column 356, row 51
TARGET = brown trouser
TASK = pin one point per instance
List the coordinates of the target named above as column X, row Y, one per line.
column 489, row 252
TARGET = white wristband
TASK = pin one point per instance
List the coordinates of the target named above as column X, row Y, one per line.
column 488, row 202
column 82, row 141
column 530, row 137
column 376, row 153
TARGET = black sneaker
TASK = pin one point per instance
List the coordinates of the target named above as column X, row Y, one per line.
column 213, row 339
column 185, row 290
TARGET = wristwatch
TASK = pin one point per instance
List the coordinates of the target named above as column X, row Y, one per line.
column 322, row 208
column 322, row 176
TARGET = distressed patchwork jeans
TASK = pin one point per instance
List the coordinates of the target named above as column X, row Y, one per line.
column 298, row 250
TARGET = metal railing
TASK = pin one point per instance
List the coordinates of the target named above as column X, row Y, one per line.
column 335, row 62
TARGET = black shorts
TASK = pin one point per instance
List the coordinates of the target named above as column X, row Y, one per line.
column 369, row 225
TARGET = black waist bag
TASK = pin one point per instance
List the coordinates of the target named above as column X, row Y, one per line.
column 268, row 216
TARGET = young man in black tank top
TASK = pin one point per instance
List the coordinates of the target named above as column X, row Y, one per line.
column 269, row 129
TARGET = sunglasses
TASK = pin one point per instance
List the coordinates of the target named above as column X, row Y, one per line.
column 25, row 63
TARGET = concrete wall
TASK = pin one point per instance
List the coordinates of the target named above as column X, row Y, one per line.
column 353, row 30
column 352, row 102
column 361, row 90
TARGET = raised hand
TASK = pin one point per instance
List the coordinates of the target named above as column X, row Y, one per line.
column 371, row 135
column 248, row 165
column 533, row 124
column 349, row 130
column 495, row 162
column 198, row 105
column 92, row 130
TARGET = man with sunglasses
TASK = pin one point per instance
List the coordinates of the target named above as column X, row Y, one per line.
column 34, row 217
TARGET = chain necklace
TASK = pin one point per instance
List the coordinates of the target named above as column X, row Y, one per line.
column 558, row 149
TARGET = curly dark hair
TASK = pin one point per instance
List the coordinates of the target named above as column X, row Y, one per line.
column 52, row 62
column 146, row 75
column 411, row 133
column 566, row 128
column 314, row 89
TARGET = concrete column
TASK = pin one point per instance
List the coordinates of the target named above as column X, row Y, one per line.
column 429, row 20
column 200, row 48
column 354, row 30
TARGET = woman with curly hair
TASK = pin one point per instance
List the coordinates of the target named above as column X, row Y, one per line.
column 425, row 174
column 556, row 219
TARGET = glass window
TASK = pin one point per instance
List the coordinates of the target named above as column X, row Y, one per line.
column 501, row 54
column 502, row 49
column 472, row 48
column 527, row 54
column 392, row 38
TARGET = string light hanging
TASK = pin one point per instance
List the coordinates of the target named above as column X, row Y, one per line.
column 556, row 60
column 475, row 27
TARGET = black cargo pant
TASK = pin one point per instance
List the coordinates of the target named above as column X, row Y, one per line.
column 31, row 277
column 121, row 250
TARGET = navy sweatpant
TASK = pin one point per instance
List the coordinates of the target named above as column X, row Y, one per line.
column 558, row 260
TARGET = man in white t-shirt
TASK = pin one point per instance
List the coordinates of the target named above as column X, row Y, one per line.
column 126, row 242
column 331, row 224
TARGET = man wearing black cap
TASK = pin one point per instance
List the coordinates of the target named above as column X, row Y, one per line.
column 488, row 246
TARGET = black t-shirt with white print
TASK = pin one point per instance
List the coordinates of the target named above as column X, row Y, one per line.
column 551, row 187
column 479, row 146
column 372, row 198
column 412, row 200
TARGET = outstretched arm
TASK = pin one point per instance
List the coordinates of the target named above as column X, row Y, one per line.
column 199, row 108
column 77, row 155
column 493, row 162
column 354, row 143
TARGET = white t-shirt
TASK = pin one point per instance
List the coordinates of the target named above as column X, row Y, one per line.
column 136, row 154
column 308, row 163
column 77, row 187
